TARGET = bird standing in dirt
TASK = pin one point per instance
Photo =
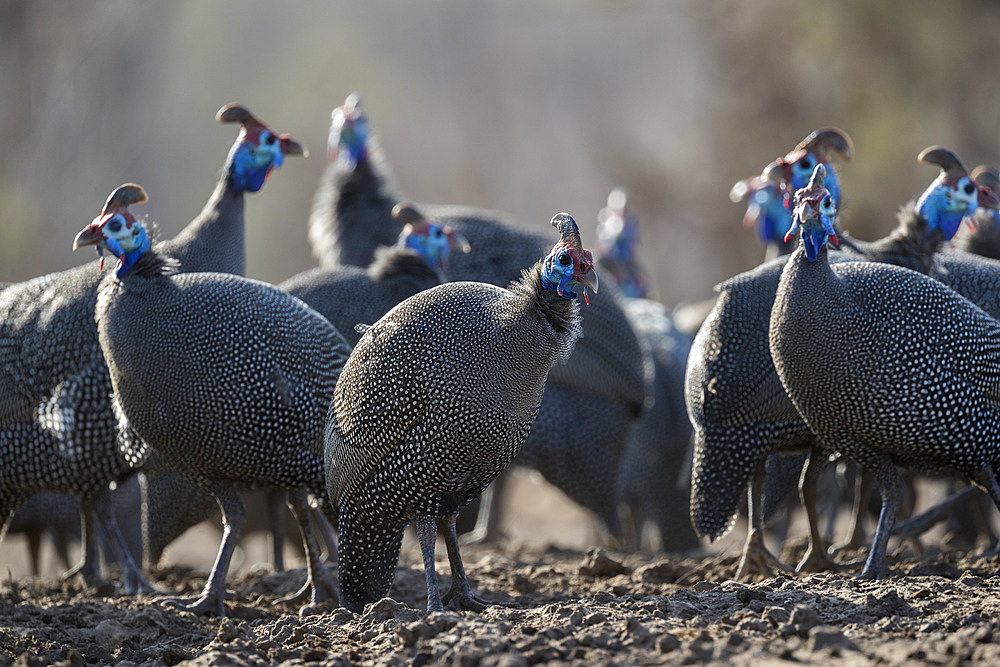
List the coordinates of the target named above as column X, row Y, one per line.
column 228, row 379
column 589, row 404
column 58, row 431
column 435, row 401
column 885, row 365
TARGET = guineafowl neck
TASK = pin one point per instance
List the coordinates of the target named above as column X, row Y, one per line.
column 562, row 314
column 395, row 262
column 151, row 264
column 911, row 245
column 216, row 239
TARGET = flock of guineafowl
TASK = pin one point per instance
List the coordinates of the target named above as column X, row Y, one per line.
column 434, row 346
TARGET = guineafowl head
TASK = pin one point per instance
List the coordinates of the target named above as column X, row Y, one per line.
column 815, row 212
column 116, row 229
column 348, row 141
column 819, row 147
column 569, row 265
column 617, row 228
column 988, row 177
column 769, row 207
column 953, row 195
column 431, row 240
column 258, row 149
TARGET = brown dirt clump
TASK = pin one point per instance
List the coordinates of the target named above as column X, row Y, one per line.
column 593, row 608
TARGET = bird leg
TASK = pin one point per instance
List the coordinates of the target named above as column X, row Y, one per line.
column 756, row 559
column 815, row 558
column 89, row 566
column 273, row 498
column 34, row 536
column 988, row 481
column 234, row 516
column 427, row 536
column 891, row 489
column 318, row 582
column 862, row 488
column 921, row 523
column 460, row 590
column 132, row 582
column 321, row 519
column 487, row 529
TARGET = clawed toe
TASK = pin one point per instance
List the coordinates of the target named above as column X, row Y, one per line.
column 816, row 561
column 759, row 561
column 203, row 605
column 467, row 601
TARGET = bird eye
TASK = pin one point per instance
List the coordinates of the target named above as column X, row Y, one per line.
column 115, row 224
column 438, row 233
column 269, row 139
column 806, row 163
column 135, row 231
column 828, row 202
column 564, row 259
column 969, row 188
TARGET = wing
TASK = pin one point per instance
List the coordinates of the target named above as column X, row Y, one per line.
column 376, row 405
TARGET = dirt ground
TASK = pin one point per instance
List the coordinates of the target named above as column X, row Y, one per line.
column 563, row 605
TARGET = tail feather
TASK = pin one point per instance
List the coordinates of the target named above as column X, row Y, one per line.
column 368, row 558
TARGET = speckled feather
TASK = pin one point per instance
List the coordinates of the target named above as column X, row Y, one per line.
column 227, row 378
column 351, row 217
column 436, row 399
column 883, row 361
column 349, row 295
column 736, row 403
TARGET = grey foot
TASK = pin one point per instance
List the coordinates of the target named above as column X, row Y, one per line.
column 464, row 601
column 202, row 606
column 481, row 536
column 756, row 559
column 875, row 571
column 91, row 578
column 815, row 560
column 136, row 584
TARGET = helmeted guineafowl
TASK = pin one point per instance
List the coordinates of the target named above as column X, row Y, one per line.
column 346, row 296
column 349, row 295
column 658, row 446
column 984, row 238
column 228, row 379
column 617, row 246
column 609, row 373
column 768, row 195
column 58, row 431
column 885, row 365
column 435, row 401
column 735, row 400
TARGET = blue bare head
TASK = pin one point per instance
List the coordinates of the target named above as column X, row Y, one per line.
column 569, row 266
column 348, row 140
column 769, row 207
column 257, row 150
column 954, row 195
column 796, row 167
column 117, row 230
column 815, row 213
column 431, row 240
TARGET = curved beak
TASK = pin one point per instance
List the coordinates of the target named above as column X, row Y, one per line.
column 291, row 147
column 89, row 235
column 589, row 279
column 457, row 242
column 988, row 198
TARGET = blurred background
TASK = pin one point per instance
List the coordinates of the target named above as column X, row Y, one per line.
column 524, row 106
